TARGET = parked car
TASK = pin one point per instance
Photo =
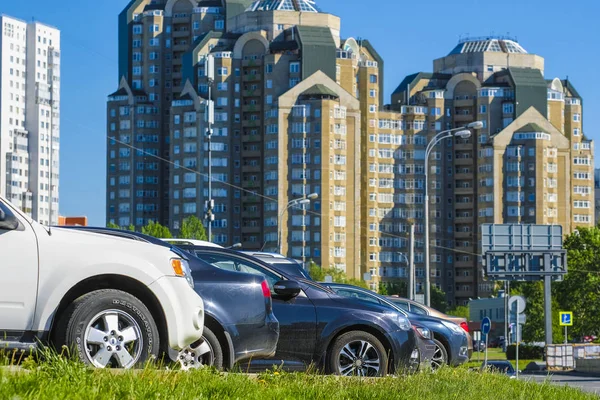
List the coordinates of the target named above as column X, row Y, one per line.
column 502, row 367
column 418, row 308
column 281, row 263
column 497, row 342
column 114, row 302
column 319, row 327
column 450, row 339
column 240, row 323
column 479, row 345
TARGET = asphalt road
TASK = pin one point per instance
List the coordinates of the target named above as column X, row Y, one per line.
column 589, row 384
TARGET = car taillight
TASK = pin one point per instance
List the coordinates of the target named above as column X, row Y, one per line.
column 465, row 326
column 265, row 289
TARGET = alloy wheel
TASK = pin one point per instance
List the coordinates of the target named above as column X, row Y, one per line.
column 439, row 359
column 196, row 355
column 113, row 338
column 359, row 358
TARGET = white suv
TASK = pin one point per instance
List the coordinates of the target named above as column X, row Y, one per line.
column 117, row 302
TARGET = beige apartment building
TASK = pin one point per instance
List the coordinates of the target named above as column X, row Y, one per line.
column 300, row 110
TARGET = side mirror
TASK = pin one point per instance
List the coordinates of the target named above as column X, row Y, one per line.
column 8, row 222
column 288, row 289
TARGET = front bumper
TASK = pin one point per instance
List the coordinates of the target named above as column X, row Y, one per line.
column 459, row 346
column 426, row 349
column 403, row 345
column 183, row 308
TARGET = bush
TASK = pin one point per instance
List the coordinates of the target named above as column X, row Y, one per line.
column 526, row 352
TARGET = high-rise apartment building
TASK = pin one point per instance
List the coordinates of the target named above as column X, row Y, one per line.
column 597, row 195
column 29, row 117
column 300, row 110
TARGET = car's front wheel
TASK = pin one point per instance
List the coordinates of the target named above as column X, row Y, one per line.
column 358, row 353
column 440, row 355
column 109, row 328
column 205, row 352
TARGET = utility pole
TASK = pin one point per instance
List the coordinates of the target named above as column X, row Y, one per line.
column 411, row 264
column 210, row 75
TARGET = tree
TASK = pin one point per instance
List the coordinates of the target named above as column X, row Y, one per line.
column 192, row 228
column 318, row 274
column 460, row 311
column 398, row 288
column 580, row 290
column 438, row 299
column 123, row 228
column 156, row 230
column 534, row 329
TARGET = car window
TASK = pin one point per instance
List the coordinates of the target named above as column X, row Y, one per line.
column 402, row 304
column 232, row 263
column 417, row 310
column 355, row 294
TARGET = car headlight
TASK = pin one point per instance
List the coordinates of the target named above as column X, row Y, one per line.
column 182, row 268
column 400, row 320
column 457, row 330
column 425, row 332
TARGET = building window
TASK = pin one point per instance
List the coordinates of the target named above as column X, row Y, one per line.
column 508, row 108
column 220, row 24
column 294, row 67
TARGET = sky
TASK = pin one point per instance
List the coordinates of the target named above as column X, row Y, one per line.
column 409, row 35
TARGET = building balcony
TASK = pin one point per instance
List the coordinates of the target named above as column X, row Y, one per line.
column 181, row 47
column 251, row 229
column 463, row 176
column 181, row 19
column 463, row 220
column 463, row 279
column 463, row 264
column 181, row 33
column 252, row 78
column 464, row 103
column 252, row 93
column 251, row 214
column 466, row 118
column 249, row 198
column 248, row 123
column 463, row 146
column 463, row 235
column 463, row 190
column 464, row 293
column 251, row 108
column 463, row 161
column 252, row 63
column 251, row 168
column 251, row 138
column 252, row 153
column 251, row 185
column 464, row 206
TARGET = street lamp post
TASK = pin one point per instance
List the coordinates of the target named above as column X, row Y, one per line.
column 463, row 133
column 400, row 256
column 292, row 203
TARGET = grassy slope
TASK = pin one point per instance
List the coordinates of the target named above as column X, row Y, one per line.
column 66, row 380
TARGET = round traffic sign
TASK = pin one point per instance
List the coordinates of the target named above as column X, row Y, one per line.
column 486, row 326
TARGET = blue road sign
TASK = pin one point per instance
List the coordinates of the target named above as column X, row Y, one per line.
column 566, row 318
column 486, row 326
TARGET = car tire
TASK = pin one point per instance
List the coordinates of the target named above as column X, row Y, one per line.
column 357, row 353
column 440, row 355
column 205, row 352
column 109, row 328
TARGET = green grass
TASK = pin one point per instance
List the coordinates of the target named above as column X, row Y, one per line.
column 62, row 379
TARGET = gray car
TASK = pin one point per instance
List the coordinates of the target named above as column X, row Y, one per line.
column 450, row 339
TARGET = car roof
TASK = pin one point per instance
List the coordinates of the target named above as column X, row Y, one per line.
column 191, row 242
